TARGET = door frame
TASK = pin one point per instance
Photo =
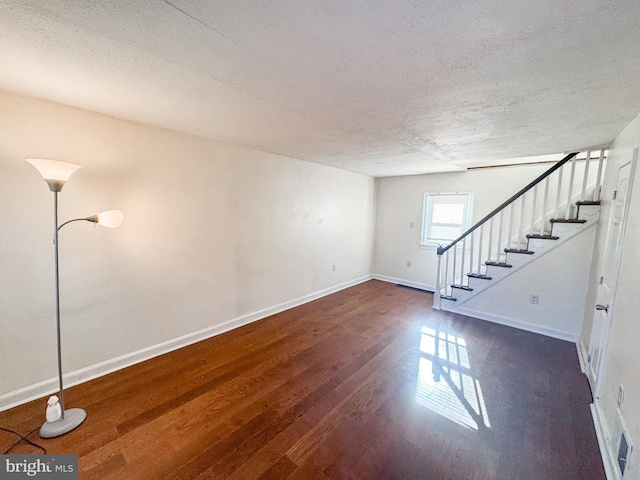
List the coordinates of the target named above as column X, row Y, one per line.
column 632, row 158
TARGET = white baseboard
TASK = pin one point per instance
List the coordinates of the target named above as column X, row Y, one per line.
column 406, row 283
column 603, row 434
column 50, row 386
column 510, row 322
column 582, row 355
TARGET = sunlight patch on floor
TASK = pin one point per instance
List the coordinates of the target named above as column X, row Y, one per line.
column 445, row 384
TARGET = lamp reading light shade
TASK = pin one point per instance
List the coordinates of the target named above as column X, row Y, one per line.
column 54, row 173
column 109, row 219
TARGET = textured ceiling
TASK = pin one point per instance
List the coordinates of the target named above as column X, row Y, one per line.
column 377, row 87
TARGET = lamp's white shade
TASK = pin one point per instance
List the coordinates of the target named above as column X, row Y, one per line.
column 110, row 218
column 54, row 173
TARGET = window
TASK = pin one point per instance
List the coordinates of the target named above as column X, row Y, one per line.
column 445, row 216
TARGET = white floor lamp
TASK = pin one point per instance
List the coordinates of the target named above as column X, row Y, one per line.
column 56, row 174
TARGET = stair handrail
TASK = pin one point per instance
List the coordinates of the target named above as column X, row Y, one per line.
column 511, row 199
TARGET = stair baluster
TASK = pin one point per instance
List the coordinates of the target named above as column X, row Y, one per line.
column 585, row 176
column 558, row 193
column 489, row 250
column 567, row 210
column 471, row 242
column 596, row 192
column 510, row 230
column 543, row 222
column 446, row 275
column 521, row 221
column 533, row 209
column 479, row 269
column 500, row 237
column 464, row 253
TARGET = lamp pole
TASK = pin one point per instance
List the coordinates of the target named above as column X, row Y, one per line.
column 57, row 276
column 69, row 419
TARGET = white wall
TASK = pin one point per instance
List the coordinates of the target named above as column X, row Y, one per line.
column 213, row 233
column 623, row 359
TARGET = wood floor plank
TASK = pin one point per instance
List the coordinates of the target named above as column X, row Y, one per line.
column 281, row 469
column 349, row 386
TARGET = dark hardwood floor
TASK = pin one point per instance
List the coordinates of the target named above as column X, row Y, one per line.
column 368, row 383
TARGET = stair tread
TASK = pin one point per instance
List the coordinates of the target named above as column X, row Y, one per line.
column 498, row 264
column 517, row 250
column 543, row 237
column 479, row 275
column 462, row 287
column 588, row 202
column 567, row 220
column 447, row 297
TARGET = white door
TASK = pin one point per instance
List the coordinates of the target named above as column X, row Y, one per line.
column 609, row 272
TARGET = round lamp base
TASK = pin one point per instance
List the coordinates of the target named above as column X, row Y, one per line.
column 72, row 418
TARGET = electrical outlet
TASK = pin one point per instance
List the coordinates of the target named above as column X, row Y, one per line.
column 333, row 268
column 410, row 224
column 408, row 263
column 534, row 299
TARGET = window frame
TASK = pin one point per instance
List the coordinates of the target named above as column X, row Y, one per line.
column 427, row 214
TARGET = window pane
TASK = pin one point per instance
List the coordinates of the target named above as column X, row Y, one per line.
column 448, row 213
column 445, row 217
column 445, row 233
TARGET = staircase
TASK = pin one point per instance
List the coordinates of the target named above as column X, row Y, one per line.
column 556, row 206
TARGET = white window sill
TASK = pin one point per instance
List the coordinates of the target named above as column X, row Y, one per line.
column 434, row 246
column 429, row 246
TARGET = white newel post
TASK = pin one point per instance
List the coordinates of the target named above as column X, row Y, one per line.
column 436, row 294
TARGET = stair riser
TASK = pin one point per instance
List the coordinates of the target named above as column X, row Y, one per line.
column 590, row 213
column 518, row 260
column 541, row 246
